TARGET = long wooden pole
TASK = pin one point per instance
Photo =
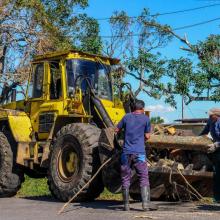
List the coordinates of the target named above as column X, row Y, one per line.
column 197, row 143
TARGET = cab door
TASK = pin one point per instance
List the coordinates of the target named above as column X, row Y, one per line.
column 45, row 94
column 36, row 93
column 53, row 105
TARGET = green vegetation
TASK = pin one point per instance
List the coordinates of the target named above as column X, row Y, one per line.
column 106, row 195
column 39, row 187
column 30, row 27
column 198, row 81
column 157, row 120
column 34, row 187
column 195, row 76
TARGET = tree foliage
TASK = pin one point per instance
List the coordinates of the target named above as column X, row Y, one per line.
column 30, row 27
column 198, row 80
column 88, row 35
column 138, row 40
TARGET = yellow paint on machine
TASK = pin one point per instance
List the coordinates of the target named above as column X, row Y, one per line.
column 116, row 114
column 21, row 127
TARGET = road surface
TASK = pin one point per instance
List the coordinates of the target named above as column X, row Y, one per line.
column 45, row 208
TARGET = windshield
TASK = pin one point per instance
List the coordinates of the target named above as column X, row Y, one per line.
column 97, row 73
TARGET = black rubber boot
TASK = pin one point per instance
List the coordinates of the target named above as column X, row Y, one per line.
column 146, row 204
column 125, row 194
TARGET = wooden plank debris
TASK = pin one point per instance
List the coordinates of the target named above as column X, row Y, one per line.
column 197, row 143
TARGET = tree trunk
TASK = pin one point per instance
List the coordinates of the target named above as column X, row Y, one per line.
column 197, row 143
column 3, row 49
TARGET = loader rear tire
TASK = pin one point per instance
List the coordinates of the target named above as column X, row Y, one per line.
column 73, row 161
column 10, row 175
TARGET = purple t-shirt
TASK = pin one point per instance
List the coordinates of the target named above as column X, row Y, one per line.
column 135, row 126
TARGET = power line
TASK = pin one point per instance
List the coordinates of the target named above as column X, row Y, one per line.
column 167, row 13
column 196, row 24
column 174, row 29
column 186, row 10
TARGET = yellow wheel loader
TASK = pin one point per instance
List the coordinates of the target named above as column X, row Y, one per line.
column 55, row 130
column 62, row 129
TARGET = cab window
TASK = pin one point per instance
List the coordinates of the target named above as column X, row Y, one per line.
column 55, row 80
column 36, row 82
column 97, row 74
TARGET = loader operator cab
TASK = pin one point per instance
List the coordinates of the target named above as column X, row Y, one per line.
column 85, row 73
column 60, row 84
column 80, row 73
column 63, row 82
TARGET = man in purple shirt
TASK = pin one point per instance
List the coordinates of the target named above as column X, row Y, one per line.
column 213, row 127
column 137, row 129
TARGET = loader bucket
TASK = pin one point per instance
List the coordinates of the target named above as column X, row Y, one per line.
column 177, row 171
column 169, row 184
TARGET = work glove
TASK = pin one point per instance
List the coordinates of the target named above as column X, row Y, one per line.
column 213, row 147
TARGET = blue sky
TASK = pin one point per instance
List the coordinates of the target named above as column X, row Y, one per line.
column 101, row 8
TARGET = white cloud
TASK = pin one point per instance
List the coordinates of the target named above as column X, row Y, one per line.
column 159, row 108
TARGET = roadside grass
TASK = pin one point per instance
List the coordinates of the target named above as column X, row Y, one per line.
column 34, row 187
column 38, row 187
column 106, row 195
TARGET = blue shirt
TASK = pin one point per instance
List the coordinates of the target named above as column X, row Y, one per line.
column 135, row 126
column 213, row 128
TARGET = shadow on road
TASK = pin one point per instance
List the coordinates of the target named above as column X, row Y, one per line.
column 96, row 204
column 134, row 206
column 101, row 205
column 41, row 198
column 213, row 207
column 114, row 205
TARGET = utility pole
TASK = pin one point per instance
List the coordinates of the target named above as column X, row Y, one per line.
column 182, row 107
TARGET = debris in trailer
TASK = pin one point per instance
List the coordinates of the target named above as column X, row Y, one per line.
column 195, row 143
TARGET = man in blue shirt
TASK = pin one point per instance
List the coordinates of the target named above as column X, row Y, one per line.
column 137, row 129
column 213, row 127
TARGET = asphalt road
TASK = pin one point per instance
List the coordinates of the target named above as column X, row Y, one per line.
column 47, row 208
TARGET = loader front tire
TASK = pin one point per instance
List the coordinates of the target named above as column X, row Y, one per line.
column 10, row 175
column 73, row 161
